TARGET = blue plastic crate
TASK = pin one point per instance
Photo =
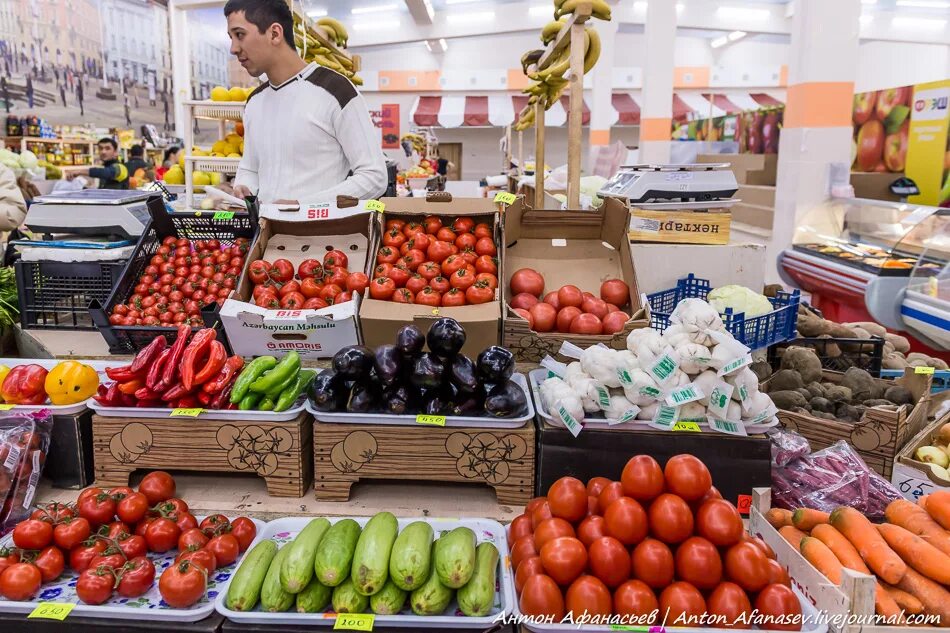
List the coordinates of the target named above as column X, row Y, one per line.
column 754, row 332
column 941, row 378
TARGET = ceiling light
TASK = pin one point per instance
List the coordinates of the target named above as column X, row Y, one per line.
column 736, row 35
column 719, row 41
column 924, row 4
column 316, row 13
column 743, row 13
column 929, row 24
column 540, row 9
column 377, row 25
column 479, row 16
column 443, row 44
column 379, row 8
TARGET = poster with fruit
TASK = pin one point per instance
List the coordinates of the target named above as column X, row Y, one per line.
column 758, row 131
column 928, row 153
column 881, row 130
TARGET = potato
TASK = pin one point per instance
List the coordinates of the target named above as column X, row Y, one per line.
column 785, row 379
column 899, row 395
column 810, row 325
column 815, row 389
column 900, row 343
column 804, row 361
column 837, row 393
column 788, row 399
column 874, row 329
column 831, row 349
column 894, row 360
column 822, row 404
column 888, row 348
column 841, row 331
column 861, row 384
column 761, row 369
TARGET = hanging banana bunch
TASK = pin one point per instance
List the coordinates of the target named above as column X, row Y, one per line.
column 417, row 141
column 600, row 9
column 311, row 50
column 335, row 30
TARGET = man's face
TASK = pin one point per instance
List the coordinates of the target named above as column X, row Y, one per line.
column 106, row 152
column 253, row 49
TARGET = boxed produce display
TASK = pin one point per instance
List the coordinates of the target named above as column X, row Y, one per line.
column 554, row 257
column 922, row 464
column 300, row 289
column 426, row 573
column 457, row 275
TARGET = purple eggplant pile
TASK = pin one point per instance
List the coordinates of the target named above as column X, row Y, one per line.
column 421, row 374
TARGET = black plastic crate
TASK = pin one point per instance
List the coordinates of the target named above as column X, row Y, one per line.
column 192, row 225
column 863, row 353
column 56, row 295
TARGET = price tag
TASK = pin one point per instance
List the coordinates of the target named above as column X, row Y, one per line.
column 628, row 416
column 663, row 368
column 185, row 413
column 650, row 392
column 683, row 425
column 52, row 610
column 719, row 399
column 432, row 420
column 375, row 205
column 223, row 215
column 744, row 397
column 924, row 370
column 735, row 365
column 603, row 398
column 6, row 407
column 505, row 198
column 744, row 503
column 354, row 621
column 665, row 417
column 724, row 426
column 624, row 376
column 684, row 395
column 569, row 421
column 13, row 458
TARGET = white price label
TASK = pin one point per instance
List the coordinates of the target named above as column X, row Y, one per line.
column 735, row 365
column 13, row 458
column 663, row 368
column 650, row 392
column 628, row 416
column 912, row 483
column 724, row 426
column 624, row 376
column 719, row 399
column 665, row 417
column 684, row 395
column 603, row 398
column 569, row 421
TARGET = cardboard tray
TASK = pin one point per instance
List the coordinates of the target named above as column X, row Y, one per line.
column 911, row 476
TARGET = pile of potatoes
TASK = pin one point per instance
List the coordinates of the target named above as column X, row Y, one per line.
column 897, row 354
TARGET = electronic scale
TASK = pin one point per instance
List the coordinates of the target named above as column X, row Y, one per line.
column 90, row 212
column 665, row 184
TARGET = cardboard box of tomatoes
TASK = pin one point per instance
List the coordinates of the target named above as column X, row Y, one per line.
column 469, row 226
column 305, row 258
column 567, row 253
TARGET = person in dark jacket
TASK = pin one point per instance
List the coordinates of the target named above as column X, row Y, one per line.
column 136, row 160
column 113, row 174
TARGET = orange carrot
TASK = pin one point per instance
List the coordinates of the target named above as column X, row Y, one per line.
column 917, row 552
column 922, row 502
column 880, row 558
column 904, row 600
column 938, row 507
column 792, row 534
column 806, row 518
column 778, row 517
column 916, row 520
column 821, row 558
column 936, row 599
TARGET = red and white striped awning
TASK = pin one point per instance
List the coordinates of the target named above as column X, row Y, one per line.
column 451, row 111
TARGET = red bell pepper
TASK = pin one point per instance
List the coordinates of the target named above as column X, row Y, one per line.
column 25, row 384
column 200, row 344
column 170, row 370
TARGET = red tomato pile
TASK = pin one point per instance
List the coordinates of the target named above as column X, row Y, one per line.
column 657, row 540
column 182, row 277
column 436, row 265
column 569, row 310
column 105, row 539
column 316, row 285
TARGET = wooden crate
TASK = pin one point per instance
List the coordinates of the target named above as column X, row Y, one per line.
column 680, row 227
column 501, row 458
column 277, row 451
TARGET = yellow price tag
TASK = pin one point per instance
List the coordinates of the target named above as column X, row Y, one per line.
column 6, row 407
column 924, row 370
column 505, row 198
column 223, row 215
column 434, row 420
column 185, row 413
column 687, row 426
column 354, row 621
column 52, row 610
column 375, row 205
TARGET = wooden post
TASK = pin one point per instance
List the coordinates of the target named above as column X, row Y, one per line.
column 575, row 118
column 538, row 156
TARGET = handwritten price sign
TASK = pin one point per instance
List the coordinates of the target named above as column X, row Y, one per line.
column 505, row 198
column 432, row 420
column 354, row 622
column 185, row 413
column 52, row 610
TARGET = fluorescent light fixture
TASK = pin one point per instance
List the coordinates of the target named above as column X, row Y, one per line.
column 541, row 9
column 641, row 5
column 316, row 13
column 378, row 8
column 450, row 2
column 377, row 25
column 478, row 16
column 443, row 44
column 743, row 13
column 866, row 19
column 719, row 41
column 929, row 24
column 736, row 35
column 924, row 4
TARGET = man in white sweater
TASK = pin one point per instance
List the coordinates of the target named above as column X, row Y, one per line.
column 307, row 132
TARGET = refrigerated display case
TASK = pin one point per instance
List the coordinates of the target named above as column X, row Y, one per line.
column 925, row 303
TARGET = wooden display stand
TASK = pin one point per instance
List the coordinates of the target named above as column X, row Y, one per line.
column 277, row 451
column 346, row 453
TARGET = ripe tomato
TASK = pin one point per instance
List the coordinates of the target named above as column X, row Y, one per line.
column 541, row 597
column 713, row 493
column 463, row 224
column 162, row 535
column 671, row 519
column 268, row 300
column 287, row 288
column 50, row 562
column 440, row 284
column 550, row 529
column 413, row 259
column 635, row 599
column 534, row 504
column 439, row 251
column 479, row 292
column 729, row 602
column 588, row 596
column 652, row 562
column 394, row 238
column 452, row 264
column 71, row 532
column 482, row 230
column 403, row 296
column 95, row 585
column 718, row 521
column 357, row 282
column 395, row 224
column 202, row 557
column 567, row 498
column 466, row 241
column 609, row 561
column 522, row 549
column 642, row 478
column 418, row 241
column 225, row 548
column 429, row 270
column 427, row 297
column 527, row 280
column 486, row 246
column 523, row 300
column 335, row 259
column 387, row 255
column 399, row 275
column 114, row 530
column 544, row 317
column 214, row 524
column 308, row 268
column 81, row 555
column 528, row 567
column 382, row 270
column 747, row 566
column 698, row 562
column 133, row 546
column 586, row 324
column 762, row 545
column 596, row 484
column 777, row 601
column 615, row 291
column 32, row 534
column 682, row 600
column 566, row 316
column 382, row 288
column 570, row 296
column 192, row 538
column 447, row 235
column 591, row 529
column 541, row 512
column 778, row 574
column 244, row 530
column 411, row 228
column 9, row 559
column 292, row 301
column 97, row 510
column 158, row 486
column 610, row 493
column 521, row 526
column 315, row 303
column 486, row 264
column 626, row 521
column 527, row 316
column 597, row 307
column 310, row 288
column 136, row 577
column 432, row 224
column 564, row 559
column 615, row 321
column 183, row 584
column 687, row 477
column 453, row 297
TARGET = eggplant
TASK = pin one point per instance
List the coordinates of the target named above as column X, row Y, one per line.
column 354, row 362
column 427, row 371
column 506, row 401
column 363, row 398
column 437, row 402
column 462, row 374
column 410, row 340
column 446, row 337
column 327, row 391
column 495, row 364
column 396, row 400
column 469, row 405
column 388, row 362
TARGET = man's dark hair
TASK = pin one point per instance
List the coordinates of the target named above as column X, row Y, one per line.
column 263, row 13
column 137, row 151
column 109, row 140
column 171, row 150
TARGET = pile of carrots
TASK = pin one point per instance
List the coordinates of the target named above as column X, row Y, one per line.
column 909, row 554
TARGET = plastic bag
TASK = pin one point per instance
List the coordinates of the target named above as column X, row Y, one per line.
column 830, row 478
column 24, row 444
column 787, row 446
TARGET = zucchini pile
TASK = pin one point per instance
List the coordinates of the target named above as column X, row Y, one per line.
column 376, row 569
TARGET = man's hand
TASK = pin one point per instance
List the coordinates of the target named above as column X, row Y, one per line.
column 240, row 191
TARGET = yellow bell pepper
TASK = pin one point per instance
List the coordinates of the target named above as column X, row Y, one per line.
column 4, row 370
column 70, row 382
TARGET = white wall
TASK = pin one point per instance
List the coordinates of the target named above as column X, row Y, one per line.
column 890, row 64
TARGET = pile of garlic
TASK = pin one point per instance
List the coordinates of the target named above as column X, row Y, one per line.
column 695, row 371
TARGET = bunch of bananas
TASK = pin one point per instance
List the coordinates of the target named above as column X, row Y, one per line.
column 417, row 141
column 313, row 51
column 600, row 9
